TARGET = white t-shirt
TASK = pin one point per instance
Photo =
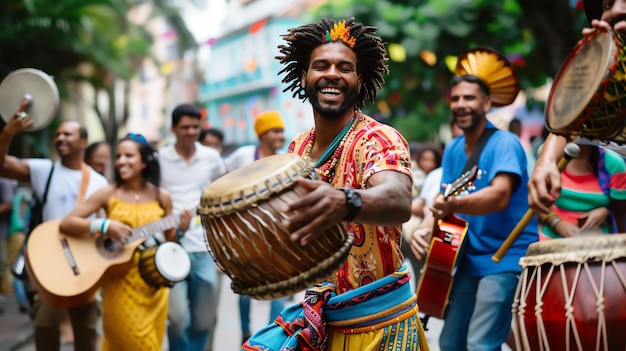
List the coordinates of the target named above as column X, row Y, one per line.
column 431, row 187
column 243, row 156
column 64, row 186
column 186, row 181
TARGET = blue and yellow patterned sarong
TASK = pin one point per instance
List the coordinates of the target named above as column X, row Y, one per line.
column 379, row 316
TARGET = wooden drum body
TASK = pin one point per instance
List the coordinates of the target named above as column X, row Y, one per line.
column 242, row 219
column 588, row 96
column 164, row 264
column 572, row 295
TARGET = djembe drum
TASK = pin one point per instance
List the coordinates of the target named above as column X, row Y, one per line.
column 241, row 215
column 572, row 295
column 164, row 264
column 588, row 97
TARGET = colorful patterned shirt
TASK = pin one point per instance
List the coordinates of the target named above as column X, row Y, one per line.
column 370, row 147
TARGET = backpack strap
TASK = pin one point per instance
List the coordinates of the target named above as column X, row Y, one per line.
column 45, row 192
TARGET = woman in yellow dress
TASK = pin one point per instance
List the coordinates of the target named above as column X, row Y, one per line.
column 134, row 313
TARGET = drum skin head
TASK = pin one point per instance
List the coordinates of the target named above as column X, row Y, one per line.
column 172, row 261
column 575, row 249
column 246, row 185
column 579, row 80
column 39, row 85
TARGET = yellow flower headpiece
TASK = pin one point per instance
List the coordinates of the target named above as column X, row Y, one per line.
column 493, row 69
column 339, row 32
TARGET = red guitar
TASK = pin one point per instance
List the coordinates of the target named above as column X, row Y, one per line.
column 441, row 261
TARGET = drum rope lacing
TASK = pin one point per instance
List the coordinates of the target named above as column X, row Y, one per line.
column 537, row 277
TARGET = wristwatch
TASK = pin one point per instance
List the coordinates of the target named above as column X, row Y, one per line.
column 353, row 200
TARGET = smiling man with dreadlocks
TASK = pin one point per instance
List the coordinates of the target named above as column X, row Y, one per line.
column 364, row 180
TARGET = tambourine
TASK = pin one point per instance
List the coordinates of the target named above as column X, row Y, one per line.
column 34, row 85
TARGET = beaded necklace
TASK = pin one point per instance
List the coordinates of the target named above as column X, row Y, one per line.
column 326, row 165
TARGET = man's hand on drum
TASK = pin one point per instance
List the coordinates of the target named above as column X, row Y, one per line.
column 119, row 231
column 322, row 207
column 619, row 26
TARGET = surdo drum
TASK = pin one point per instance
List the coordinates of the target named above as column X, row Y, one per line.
column 572, row 295
column 241, row 215
column 588, row 97
column 164, row 264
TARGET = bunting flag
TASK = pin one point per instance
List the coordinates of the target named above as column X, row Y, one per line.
column 257, row 26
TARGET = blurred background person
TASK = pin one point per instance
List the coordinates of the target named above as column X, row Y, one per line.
column 212, row 137
column 134, row 312
column 7, row 191
column 98, row 156
column 591, row 183
column 187, row 168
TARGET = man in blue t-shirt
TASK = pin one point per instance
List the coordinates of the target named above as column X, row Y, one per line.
column 478, row 315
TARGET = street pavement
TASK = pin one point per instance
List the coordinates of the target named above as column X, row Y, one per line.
column 16, row 334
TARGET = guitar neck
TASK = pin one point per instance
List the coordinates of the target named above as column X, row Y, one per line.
column 152, row 228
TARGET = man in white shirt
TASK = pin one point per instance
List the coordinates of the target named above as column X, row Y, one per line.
column 187, row 167
column 63, row 196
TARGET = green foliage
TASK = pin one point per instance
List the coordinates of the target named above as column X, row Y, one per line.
column 81, row 40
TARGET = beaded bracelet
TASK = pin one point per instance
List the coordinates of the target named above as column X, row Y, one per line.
column 92, row 227
column 547, row 217
column 105, row 226
column 95, row 228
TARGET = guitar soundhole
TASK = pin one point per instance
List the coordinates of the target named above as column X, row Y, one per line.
column 109, row 248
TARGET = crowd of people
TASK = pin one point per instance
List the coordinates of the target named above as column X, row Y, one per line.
column 365, row 178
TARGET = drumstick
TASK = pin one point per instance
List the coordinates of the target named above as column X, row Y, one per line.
column 571, row 151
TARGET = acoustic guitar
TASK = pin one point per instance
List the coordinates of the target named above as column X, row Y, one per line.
column 67, row 270
column 433, row 290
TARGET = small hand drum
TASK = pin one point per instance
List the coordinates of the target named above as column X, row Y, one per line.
column 164, row 264
column 572, row 295
column 32, row 84
column 588, row 96
column 241, row 216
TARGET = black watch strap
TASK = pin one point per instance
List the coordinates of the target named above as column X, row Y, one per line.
column 353, row 200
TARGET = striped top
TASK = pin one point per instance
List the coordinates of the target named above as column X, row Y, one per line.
column 583, row 193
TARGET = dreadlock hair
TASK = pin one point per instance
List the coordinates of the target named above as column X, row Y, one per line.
column 369, row 48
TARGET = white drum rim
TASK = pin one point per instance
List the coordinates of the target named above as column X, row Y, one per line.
column 558, row 122
column 172, row 261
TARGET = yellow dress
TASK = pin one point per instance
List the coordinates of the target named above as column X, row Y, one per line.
column 134, row 313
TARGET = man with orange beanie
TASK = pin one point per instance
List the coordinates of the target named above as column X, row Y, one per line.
column 269, row 128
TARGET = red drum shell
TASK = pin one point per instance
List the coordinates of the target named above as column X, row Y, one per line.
column 572, row 295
